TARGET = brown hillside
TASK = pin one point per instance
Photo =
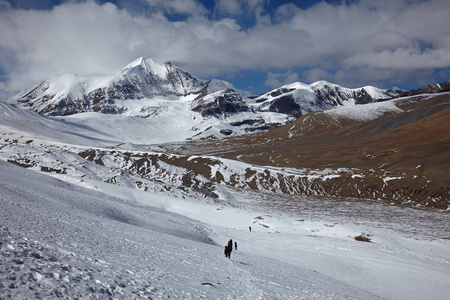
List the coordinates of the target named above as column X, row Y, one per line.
column 413, row 144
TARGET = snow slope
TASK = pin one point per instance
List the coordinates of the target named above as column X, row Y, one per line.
column 161, row 120
column 365, row 112
column 59, row 240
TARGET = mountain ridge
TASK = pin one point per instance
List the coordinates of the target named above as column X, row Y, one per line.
column 432, row 88
column 143, row 78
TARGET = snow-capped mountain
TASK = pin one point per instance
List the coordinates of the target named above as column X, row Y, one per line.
column 166, row 94
column 154, row 79
column 145, row 79
column 297, row 99
column 70, row 94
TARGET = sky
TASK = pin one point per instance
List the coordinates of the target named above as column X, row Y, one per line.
column 257, row 45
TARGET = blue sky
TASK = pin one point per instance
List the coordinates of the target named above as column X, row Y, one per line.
column 257, row 45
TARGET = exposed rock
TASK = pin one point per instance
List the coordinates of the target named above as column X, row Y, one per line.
column 362, row 97
column 286, row 105
column 226, row 102
column 429, row 89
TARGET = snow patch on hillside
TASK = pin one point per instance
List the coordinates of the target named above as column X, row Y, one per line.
column 366, row 112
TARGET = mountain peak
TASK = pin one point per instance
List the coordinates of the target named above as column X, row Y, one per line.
column 146, row 65
column 137, row 62
column 321, row 83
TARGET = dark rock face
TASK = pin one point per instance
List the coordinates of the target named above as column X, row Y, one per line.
column 226, row 131
column 429, row 89
column 100, row 100
column 286, row 105
column 332, row 96
column 281, row 91
column 362, row 97
column 27, row 99
column 226, row 103
column 445, row 86
column 248, row 122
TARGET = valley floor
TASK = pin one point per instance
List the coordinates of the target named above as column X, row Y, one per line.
column 60, row 240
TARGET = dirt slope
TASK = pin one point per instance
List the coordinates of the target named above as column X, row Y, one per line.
column 400, row 157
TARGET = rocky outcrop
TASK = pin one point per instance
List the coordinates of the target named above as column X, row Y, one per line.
column 429, row 89
column 222, row 103
column 286, row 105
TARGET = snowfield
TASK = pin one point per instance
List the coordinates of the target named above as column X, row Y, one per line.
column 59, row 240
column 365, row 112
column 63, row 241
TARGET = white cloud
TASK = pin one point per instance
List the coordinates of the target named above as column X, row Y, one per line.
column 254, row 8
column 276, row 80
column 383, row 38
column 188, row 7
column 273, row 80
column 4, row 5
column 228, row 7
column 362, row 42
column 317, row 74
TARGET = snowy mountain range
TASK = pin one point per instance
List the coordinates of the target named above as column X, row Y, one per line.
column 70, row 94
column 298, row 99
column 140, row 87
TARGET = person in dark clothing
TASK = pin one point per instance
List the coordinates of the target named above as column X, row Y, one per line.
column 230, row 248
column 226, row 251
column 235, row 246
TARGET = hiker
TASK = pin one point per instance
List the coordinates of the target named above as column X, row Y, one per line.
column 230, row 247
column 227, row 251
column 235, row 246
column 250, row 228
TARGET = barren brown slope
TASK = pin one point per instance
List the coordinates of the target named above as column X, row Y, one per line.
column 412, row 146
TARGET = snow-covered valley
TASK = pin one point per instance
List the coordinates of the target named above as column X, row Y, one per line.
column 63, row 240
